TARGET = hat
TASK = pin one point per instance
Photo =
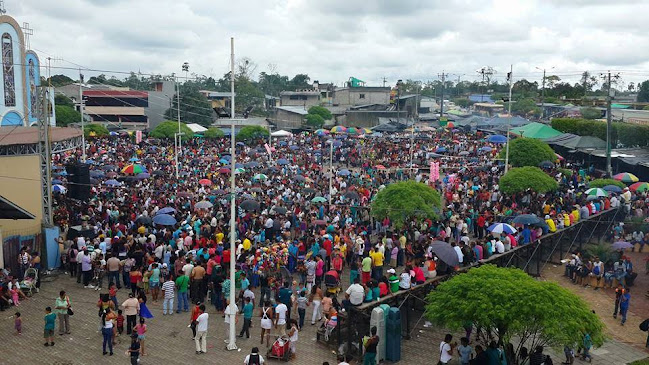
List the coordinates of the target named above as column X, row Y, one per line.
column 391, row 271
column 547, row 216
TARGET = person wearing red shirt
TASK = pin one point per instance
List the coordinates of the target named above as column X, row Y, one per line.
column 481, row 224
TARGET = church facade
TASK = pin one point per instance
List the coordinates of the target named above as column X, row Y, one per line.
column 20, row 70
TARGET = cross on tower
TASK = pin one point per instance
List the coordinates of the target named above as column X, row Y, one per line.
column 28, row 32
column 2, row 7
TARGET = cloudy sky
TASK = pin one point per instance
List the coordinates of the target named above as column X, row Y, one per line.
column 334, row 39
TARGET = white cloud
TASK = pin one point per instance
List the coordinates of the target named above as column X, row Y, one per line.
column 332, row 40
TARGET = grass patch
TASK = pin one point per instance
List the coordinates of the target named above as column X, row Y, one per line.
column 640, row 362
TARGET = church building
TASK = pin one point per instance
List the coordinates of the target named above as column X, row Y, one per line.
column 20, row 76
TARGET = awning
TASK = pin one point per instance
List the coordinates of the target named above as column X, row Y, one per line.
column 9, row 210
column 536, row 130
column 281, row 133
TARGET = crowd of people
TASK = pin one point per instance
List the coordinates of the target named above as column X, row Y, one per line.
column 292, row 245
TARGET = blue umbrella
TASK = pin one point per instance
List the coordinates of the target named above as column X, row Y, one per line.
column 166, row 210
column 58, row 189
column 294, row 147
column 282, row 143
column 56, row 167
column 108, row 167
column 238, row 166
column 142, row 176
column 240, row 144
column 612, row 189
column 97, row 173
column 62, row 173
column 164, row 220
column 251, row 164
column 282, row 161
column 57, row 182
column 134, row 159
column 440, row 150
column 112, row 182
column 223, row 161
column 501, row 228
column 344, row 172
column 497, row 138
column 337, row 143
column 621, row 245
column 485, row 149
column 226, row 157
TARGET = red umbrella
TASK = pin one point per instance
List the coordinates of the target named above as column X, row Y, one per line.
column 205, row 182
column 380, row 167
column 224, row 170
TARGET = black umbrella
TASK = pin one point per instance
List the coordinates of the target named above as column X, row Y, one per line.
column 352, row 195
column 546, row 164
column 299, row 178
column 219, row 192
column 249, row 205
column 445, row 252
column 280, row 210
column 94, row 181
column 158, row 172
column 256, row 190
column 247, row 196
column 308, row 190
column 127, row 178
column 526, row 219
column 108, row 167
column 143, row 220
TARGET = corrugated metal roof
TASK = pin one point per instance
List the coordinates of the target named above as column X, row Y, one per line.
column 116, row 93
column 29, row 135
column 293, row 109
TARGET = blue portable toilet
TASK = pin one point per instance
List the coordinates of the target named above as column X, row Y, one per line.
column 393, row 335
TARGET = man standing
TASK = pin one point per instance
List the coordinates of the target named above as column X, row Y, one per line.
column 230, row 315
column 61, row 309
column 247, row 317
column 377, row 263
column 446, row 350
column 181, row 284
column 366, row 268
column 201, row 331
column 168, row 296
column 113, row 266
column 198, row 284
column 86, row 268
column 619, row 291
column 624, row 304
column 50, row 320
column 280, row 318
column 131, row 308
column 285, row 298
column 370, row 348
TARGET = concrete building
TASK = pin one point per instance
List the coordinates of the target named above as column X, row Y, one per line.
column 123, row 109
column 289, row 117
column 352, row 96
column 305, row 98
column 160, row 96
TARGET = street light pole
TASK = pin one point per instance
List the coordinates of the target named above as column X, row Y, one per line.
column 178, row 138
column 510, row 78
column 331, row 168
column 232, row 345
column 83, row 124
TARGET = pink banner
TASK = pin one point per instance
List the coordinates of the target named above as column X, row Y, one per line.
column 138, row 136
column 268, row 149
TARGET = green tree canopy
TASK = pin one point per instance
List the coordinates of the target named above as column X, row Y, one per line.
column 591, row 113
column 506, row 304
column 60, row 99
column 600, row 183
column 403, row 201
column 314, row 120
column 526, row 107
column 643, row 92
column 251, row 132
column 66, row 115
column 168, row 128
column 213, row 132
column 523, row 178
column 528, row 152
column 57, row 80
column 194, row 106
column 95, row 130
column 321, row 111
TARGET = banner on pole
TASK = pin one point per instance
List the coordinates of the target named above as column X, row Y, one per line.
column 138, row 136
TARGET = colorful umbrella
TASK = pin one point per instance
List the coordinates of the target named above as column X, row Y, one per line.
column 639, row 187
column 205, row 182
column 626, row 177
column 380, row 167
column 321, row 132
column 594, row 193
column 338, row 129
column 501, row 228
column 59, row 189
column 133, row 169
column 260, row 177
column 352, row 130
column 366, row 130
column 318, row 199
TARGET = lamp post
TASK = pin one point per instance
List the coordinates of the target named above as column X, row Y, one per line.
column 232, row 344
column 331, row 168
column 510, row 78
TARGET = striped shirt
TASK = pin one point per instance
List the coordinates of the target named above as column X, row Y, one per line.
column 168, row 288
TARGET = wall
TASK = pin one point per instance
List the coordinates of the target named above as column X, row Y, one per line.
column 351, row 96
column 287, row 120
column 311, row 100
column 10, row 26
column 20, row 183
column 368, row 118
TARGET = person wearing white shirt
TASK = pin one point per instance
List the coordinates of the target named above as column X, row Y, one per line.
column 201, row 331
column 458, row 250
column 280, row 318
column 355, row 294
column 499, row 246
column 254, row 358
column 230, row 315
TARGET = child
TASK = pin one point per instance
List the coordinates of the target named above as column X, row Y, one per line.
column 48, row 330
column 120, row 322
column 15, row 295
column 18, row 324
column 112, row 291
column 140, row 329
column 134, row 349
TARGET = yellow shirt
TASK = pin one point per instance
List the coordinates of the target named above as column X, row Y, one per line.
column 141, row 230
column 551, row 225
column 566, row 220
column 377, row 258
column 219, row 237
column 546, row 209
column 246, row 244
column 343, row 250
column 575, row 215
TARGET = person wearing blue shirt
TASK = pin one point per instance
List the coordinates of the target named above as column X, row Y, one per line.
column 527, row 235
column 247, row 318
column 625, row 300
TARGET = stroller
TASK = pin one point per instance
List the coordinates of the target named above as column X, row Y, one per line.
column 332, row 281
column 280, row 349
column 28, row 284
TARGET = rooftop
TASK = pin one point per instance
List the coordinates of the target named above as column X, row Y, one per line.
column 29, row 135
column 293, row 109
column 116, row 93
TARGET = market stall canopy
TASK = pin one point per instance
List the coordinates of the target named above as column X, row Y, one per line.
column 572, row 141
column 536, row 130
column 281, row 133
column 196, row 128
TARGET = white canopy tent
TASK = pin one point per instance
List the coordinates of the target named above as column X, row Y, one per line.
column 196, row 128
column 282, row 133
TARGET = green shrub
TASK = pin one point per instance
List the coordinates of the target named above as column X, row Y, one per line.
column 95, row 130
column 213, row 132
column 600, row 183
column 251, row 132
column 523, row 178
column 169, row 128
column 528, row 152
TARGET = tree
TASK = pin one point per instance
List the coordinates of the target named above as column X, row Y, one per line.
column 643, row 92
column 600, row 183
column 551, row 81
column 95, row 130
column 58, row 80
column 528, row 152
column 528, row 177
column 526, row 107
column 314, row 120
column 66, row 115
column 588, row 82
column 194, row 106
column 251, row 132
column 591, row 113
column 462, row 102
column 213, row 133
column 169, row 128
column 321, row 111
column 506, row 304
column 60, row 99
column 404, row 201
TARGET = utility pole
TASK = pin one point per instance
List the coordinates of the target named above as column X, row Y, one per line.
column 83, row 129
column 510, row 78
column 609, row 126
column 441, row 104
column 232, row 344
column 384, row 81
column 486, row 73
column 543, row 91
column 457, row 86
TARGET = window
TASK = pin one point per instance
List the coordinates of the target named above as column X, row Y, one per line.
column 8, row 70
column 361, row 96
